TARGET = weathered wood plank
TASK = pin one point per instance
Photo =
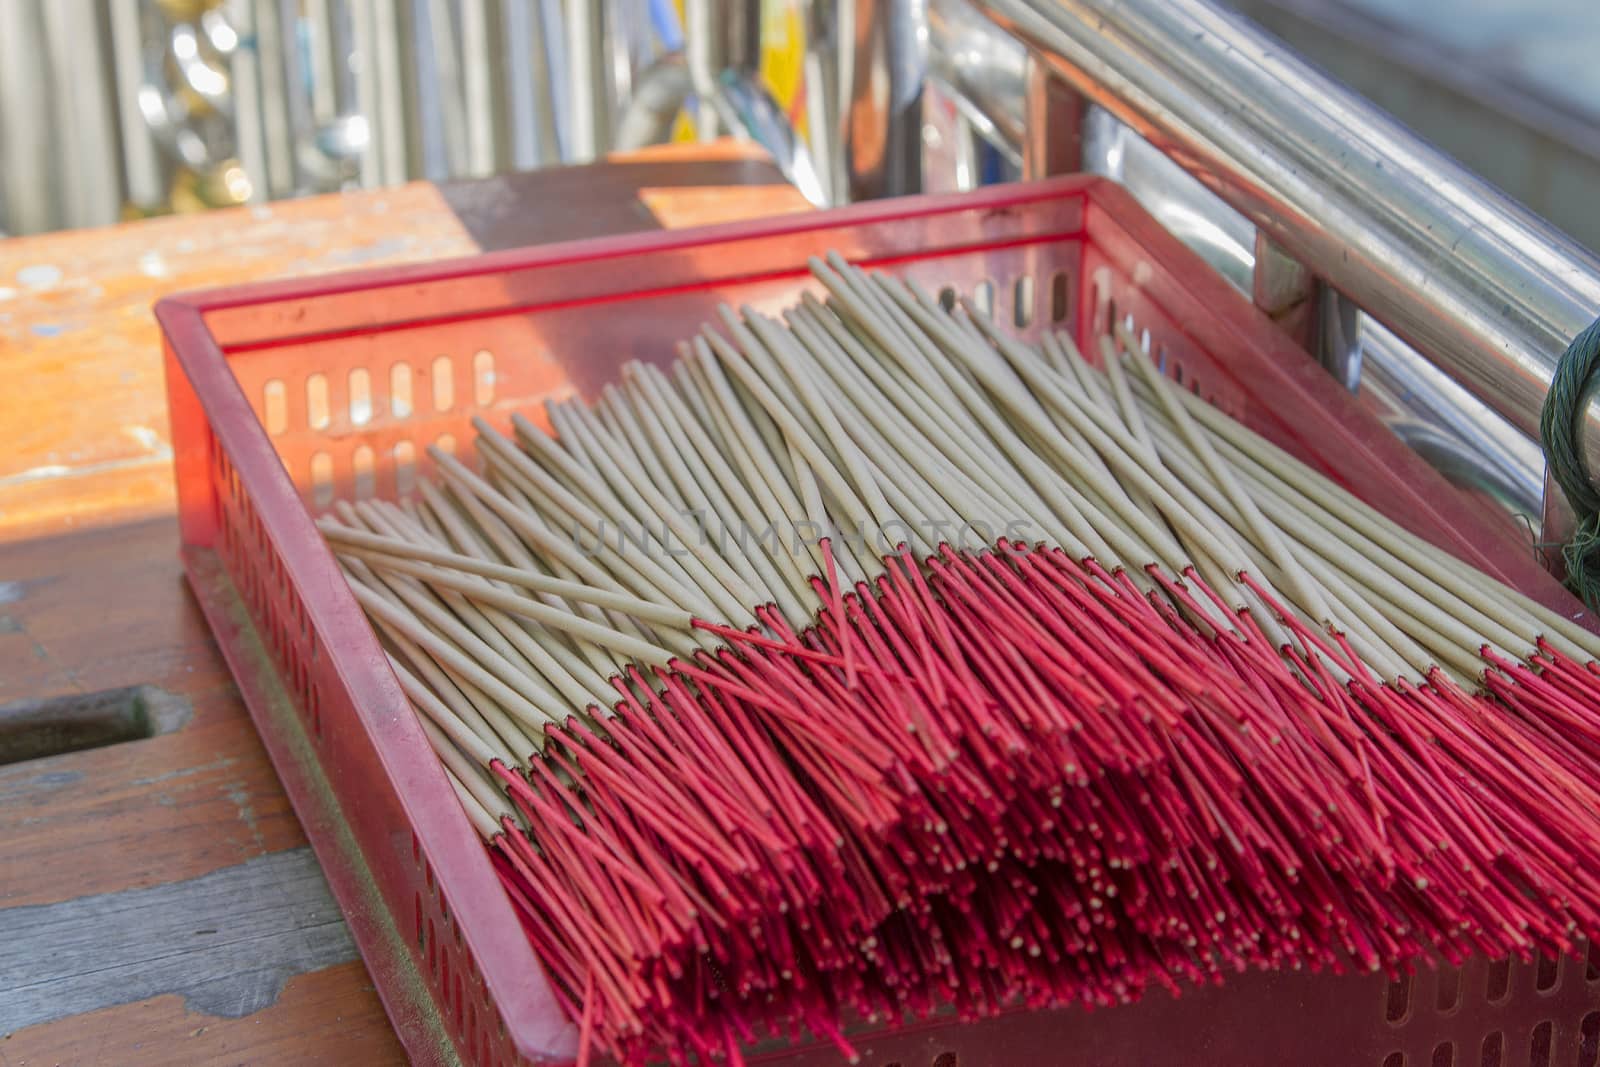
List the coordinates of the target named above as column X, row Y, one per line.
column 103, row 608
column 81, row 345
column 330, row 1017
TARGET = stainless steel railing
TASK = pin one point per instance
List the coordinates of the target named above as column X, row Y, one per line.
column 1346, row 200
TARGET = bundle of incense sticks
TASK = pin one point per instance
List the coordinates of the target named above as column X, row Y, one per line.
column 871, row 662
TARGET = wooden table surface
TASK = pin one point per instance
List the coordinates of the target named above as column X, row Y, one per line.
column 158, row 901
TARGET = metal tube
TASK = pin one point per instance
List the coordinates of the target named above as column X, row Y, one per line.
column 658, row 95
column 885, row 59
column 553, row 100
column 27, row 148
column 706, row 54
column 986, row 68
column 520, row 45
column 479, row 101
column 586, row 30
column 824, row 121
column 1423, row 406
column 749, row 110
column 1478, row 284
column 89, row 173
column 141, row 166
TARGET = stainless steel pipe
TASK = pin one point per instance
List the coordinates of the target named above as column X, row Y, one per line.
column 1479, row 285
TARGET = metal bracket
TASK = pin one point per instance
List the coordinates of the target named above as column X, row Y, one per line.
column 1320, row 320
column 1053, row 121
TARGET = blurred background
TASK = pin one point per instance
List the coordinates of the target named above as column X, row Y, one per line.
column 115, row 109
column 122, row 109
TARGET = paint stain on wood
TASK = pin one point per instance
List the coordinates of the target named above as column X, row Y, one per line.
column 225, row 942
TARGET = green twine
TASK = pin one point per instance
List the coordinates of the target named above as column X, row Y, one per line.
column 1561, row 426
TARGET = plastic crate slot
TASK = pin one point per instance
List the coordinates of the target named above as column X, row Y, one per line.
column 1397, row 1000
column 1499, row 983
column 1022, row 302
column 1541, row 1044
column 450, row 981
column 483, row 377
column 1591, row 970
column 405, row 467
column 275, row 406
column 1060, row 296
column 1546, row 972
column 947, row 298
column 318, row 413
column 458, row 1003
column 1444, row 1054
column 448, row 988
column 446, row 443
column 366, row 477
column 251, row 599
column 946, row 1059
column 400, row 391
column 443, row 384
column 1395, row 1059
column 1493, row 1051
column 983, row 298
column 321, row 479
column 1589, row 1040
column 360, row 398
column 433, row 952
column 416, row 908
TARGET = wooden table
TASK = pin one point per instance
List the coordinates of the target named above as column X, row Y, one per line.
column 158, row 901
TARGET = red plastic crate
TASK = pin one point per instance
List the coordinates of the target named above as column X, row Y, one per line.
column 286, row 396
